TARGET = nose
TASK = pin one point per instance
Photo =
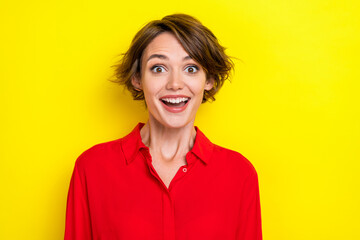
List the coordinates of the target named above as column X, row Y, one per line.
column 175, row 81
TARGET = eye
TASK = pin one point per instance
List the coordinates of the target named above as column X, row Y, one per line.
column 191, row 69
column 158, row 69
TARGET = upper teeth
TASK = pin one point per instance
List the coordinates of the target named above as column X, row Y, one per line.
column 175, row 100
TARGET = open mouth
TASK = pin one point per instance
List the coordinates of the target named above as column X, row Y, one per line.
column 175, row 102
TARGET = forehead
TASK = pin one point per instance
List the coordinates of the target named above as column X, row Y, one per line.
column 165, row 43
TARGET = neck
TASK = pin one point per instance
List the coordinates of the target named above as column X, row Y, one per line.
column 170, row 145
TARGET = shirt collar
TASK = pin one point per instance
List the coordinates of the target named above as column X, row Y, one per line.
column 132, row 144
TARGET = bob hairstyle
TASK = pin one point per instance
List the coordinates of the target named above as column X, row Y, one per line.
column 198, row 41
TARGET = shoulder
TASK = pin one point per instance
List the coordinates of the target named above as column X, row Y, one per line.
column 111, row 154
column 100, row 154
column 233, row 160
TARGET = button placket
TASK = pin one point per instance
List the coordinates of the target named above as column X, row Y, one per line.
column 168, row 217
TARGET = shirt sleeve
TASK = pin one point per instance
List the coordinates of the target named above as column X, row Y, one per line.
column 77, row 225
column 250, row 216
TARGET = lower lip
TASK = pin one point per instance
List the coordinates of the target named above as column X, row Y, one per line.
column 175, row 109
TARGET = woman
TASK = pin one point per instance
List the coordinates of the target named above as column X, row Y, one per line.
column 166, row 180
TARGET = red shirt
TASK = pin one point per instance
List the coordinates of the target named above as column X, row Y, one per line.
column 115, row 193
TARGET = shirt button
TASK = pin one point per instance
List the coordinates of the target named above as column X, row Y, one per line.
column 184, row 169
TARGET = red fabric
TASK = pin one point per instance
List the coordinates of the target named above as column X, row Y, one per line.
column 115, row 193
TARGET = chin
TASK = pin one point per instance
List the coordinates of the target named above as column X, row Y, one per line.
column 174, row 121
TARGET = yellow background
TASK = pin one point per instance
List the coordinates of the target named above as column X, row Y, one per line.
column 292, row 107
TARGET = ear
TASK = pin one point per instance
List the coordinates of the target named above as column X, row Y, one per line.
column 209, row 84
column 136, row 82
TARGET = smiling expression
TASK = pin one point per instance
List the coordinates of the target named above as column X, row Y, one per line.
column 172, row 82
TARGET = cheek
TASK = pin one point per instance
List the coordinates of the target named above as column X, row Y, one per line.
column 151, row 90
column 197, row 86
column 148, row 83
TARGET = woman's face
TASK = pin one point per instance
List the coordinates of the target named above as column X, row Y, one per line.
column 173, row 83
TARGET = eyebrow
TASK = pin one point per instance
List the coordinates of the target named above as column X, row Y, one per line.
column 164, row 57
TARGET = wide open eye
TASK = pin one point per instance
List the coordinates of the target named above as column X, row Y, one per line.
column 191, row 69
column 158, row 69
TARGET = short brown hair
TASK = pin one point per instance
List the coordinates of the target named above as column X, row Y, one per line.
column 198, row 41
